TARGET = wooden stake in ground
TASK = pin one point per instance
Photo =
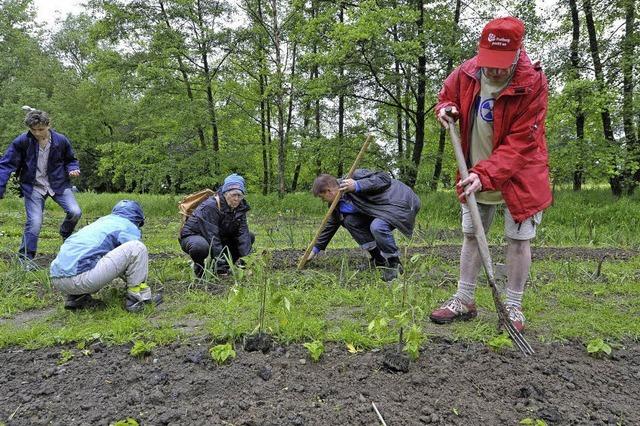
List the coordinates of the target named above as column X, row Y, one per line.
column 483, row 248
column 303, row 260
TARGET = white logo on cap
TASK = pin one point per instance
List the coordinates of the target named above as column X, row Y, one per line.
column 491, row 37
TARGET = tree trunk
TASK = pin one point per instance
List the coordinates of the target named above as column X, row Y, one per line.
column 437, row 168
column 279, row 97
column 209, row 89
column 628, row 57
column 574, row 74
column 398, row 87
column 263, row 136
column 185, row 77
column 341, row 110
column 420, row 100
column 615, row 181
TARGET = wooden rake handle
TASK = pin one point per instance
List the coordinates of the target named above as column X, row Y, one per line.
column 483, row 247
column 354, row 166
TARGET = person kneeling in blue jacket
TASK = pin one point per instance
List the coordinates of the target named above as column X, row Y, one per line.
column 108, row 248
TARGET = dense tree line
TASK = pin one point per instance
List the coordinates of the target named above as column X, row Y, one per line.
column 171, row 95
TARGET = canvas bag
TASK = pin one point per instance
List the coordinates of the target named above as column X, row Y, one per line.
column 188, row 203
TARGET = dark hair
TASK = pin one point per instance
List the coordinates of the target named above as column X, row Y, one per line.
column 36, row 117
column 322, row 183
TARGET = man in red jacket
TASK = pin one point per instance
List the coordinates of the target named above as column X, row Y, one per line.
column 500, row 99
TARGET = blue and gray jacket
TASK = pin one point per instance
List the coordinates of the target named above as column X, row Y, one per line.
column 377, row 195
column 22, row 158
column 82, row 250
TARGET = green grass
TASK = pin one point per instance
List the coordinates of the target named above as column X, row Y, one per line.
column 564, row 301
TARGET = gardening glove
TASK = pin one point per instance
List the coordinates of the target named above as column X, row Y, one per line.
column 448, row 115
column 315, row 252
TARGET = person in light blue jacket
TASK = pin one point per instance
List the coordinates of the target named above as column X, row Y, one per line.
column 108, row 248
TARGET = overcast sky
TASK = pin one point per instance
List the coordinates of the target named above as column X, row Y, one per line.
column 49, row 10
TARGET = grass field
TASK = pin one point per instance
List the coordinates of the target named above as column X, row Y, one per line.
column 333, row 300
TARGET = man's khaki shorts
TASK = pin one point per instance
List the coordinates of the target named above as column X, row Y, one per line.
column 516, row 231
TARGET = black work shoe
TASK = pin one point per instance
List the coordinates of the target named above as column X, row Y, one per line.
column 81, row 301
column 392, row 269
column 134, row 305
column 376, row 259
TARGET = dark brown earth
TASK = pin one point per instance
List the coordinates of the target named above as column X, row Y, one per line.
column 450, row 384
column 283, row 259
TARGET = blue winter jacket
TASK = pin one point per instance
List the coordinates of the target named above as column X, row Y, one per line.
column 82, row 250
column 22, row 157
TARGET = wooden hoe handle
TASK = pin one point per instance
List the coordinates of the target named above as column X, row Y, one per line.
column 354, row 166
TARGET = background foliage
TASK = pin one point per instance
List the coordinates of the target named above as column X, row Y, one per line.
column 169, row 96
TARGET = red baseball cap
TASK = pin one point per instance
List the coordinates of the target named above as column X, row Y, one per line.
column 499, row 43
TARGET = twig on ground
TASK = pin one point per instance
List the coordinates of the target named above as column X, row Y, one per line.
column 382, row 422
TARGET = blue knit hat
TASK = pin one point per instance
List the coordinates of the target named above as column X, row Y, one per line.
column 233, row 181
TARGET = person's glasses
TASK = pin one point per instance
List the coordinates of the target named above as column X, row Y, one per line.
column 237, row 195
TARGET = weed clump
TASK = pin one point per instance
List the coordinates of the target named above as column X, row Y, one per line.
column 222, row 353
column 141, row 349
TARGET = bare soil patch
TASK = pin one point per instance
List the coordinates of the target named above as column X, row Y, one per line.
column 450, row 384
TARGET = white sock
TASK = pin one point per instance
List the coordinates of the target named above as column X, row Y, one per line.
column 466, row 292
column 514, row 298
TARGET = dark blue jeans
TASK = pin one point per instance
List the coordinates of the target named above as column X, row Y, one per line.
column 34, row 207
column 370, row 232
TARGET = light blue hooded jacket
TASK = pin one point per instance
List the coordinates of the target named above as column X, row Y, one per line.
column 82, row 250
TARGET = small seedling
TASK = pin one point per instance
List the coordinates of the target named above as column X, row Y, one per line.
column 533, row 422
column 352, row 349
column 141, row 349
column 261, row 341
column 499, row 344
column 126, row 422
column 413, row 341
column 398, row 361
column 316, row 349
column 65, row 356
column 222, row 353
column 598, row 348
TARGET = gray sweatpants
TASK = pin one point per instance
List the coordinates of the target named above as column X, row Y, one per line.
column 130, row 261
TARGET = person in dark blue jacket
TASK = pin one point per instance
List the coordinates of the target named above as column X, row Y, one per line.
column 108, row 248
column 218, row 229
column 371, row 206
column 43, row 160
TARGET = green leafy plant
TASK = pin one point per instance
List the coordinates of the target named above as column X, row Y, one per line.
column 65, row 356
column 316, row 349
column 413, row 339
column 500, row 343
column 533, row 422
column 126, row 422
column 598, row 348
column 222, row 353
column 141, row 349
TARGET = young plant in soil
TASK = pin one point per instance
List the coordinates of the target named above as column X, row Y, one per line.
column 222, row 353
column 598, row 348
column 65, row 356
column 141, row 349
column 261, row 341
column 408, row 347
column 500, row 343
column 316, row 349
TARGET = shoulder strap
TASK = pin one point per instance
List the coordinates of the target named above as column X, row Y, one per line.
column 217, row 201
